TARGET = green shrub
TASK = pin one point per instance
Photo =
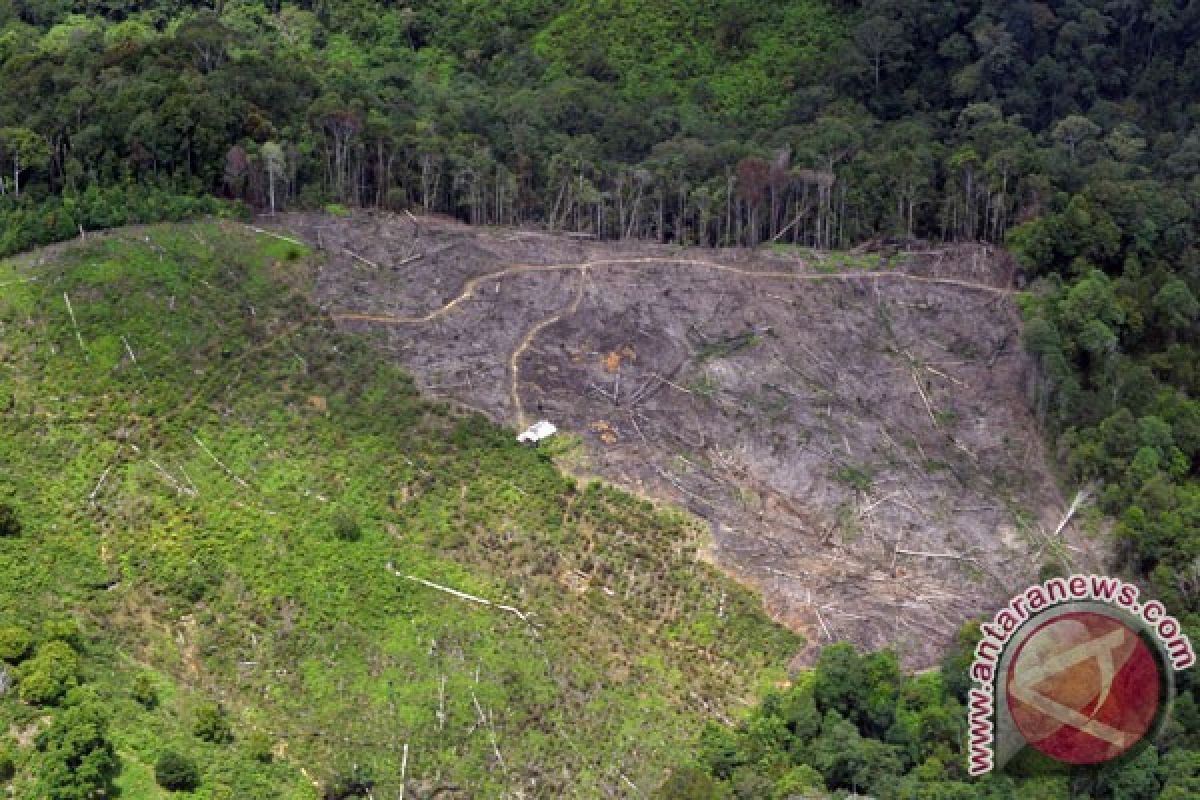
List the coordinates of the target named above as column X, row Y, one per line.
column 78, row 760
column 258, row 746
column 855, row 477
column 337, row 210
column 144, row 691
column 15, row 644
column 799, row 781
column 689, row 783
column 10, row 523
column 47, row 676
column 211, row 724
column 8, row 764
column 23, row 227
column 345, row 526
column 176, row 772
column 200, row 580
column 63, row 629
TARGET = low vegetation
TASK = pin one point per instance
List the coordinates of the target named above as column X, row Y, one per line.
column 216, row 504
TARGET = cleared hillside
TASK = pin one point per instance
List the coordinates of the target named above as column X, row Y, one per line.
column 854, row 427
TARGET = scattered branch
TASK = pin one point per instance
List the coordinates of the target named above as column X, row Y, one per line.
column 179, row 487
column 1081, row 497
column 104, row 477
column 952, row 556
column 491, row 731
column 462, row 595
column 277, row 236
column 403, row 769
column 129, row 350
column 950, row 378
column 606, row 394
column 925, row 398
column 75, row 324
column 441, row 712
column 220, row 463
column 674, row 385
column 357, row 257
column 821, row 620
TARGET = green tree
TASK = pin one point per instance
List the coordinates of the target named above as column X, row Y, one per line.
column 345, row 526
column 77, row 760
column 841, row 683
column 211, row 724
column 46, row 677
column 881, row 45
column 144, row 690
column 176, row 771
column 1176, row 305
column 23, row 149
column 1073, row 130
column 691, row 783
column 10, row 523
column 8, row 763
column 259, row 746
column 15, row 643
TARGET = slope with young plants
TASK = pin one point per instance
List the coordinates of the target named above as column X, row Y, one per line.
column 217, row 504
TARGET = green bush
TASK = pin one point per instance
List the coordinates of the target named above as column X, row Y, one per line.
column 78, row 760
column 15, row 644
column 10, row 523
column 176, row 772
column 63, row 629
column 46, row 677
column 258, row 746
column 690, row 783
column 28, row 225
column 144, row 691
column 201, row 579
column 8, row 765
column 345, row 526
column 211, row 724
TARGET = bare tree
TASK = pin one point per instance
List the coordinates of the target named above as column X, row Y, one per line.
column 880, row 43
column 276, row 167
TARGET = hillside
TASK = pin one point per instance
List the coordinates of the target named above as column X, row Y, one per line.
column 854, row 427
column 220, row 498
column 849, row 298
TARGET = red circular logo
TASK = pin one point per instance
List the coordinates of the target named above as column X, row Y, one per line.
column 1083, row 688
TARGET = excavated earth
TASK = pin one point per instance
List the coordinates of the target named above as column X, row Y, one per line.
column 854, row 429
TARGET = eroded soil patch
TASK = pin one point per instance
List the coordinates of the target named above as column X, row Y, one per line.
column 853, row 428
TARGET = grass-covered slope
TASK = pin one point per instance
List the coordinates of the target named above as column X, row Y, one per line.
column 211, row 483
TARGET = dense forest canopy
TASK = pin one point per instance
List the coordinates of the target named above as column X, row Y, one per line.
column 1068, row 130
column 718, row 122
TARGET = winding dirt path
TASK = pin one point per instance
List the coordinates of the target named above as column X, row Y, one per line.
column 514, row 361
column 514, row 367
column 519, row 269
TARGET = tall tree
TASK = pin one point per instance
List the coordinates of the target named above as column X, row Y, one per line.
column 275, row 165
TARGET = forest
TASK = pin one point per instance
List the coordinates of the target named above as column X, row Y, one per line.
column 1066, row 130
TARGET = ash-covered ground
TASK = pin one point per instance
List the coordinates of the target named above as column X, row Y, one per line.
column 853, row 427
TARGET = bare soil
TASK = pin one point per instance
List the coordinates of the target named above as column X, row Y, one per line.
column 853, row 427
